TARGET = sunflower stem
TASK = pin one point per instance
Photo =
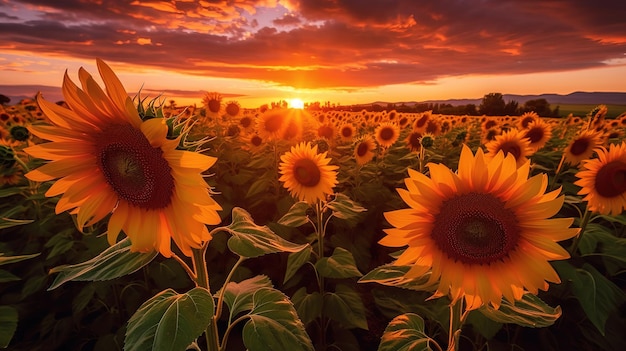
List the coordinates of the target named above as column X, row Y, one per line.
column 321, row 228
column 583, row 225
column 202, row 280
column 457, row 317
column 556, row 173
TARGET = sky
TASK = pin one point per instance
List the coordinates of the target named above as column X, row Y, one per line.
column 341, row 51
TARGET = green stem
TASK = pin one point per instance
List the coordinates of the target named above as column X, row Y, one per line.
column 202, row 280
column 320, row 228
column 583, row 225
column 556, row 174
column 220, row 298
column 456, row 322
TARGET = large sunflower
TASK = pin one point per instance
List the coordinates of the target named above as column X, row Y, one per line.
column 603, row 180
column 484, row 231
column 108, row 161
column 307, row 174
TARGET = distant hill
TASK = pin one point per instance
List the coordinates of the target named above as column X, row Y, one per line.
column 19, row 92
column 579, row 97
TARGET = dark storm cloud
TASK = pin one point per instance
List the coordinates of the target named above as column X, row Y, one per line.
column 329, row 43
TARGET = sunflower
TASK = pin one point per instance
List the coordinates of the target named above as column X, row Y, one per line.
column 108, row 161
column 414, row 141
column 526, row 118
column 306, row 174
column 346, row 132
column 582, row 146
column 364, row 150
column 483, row 232
column 213, row 104
column 232, row 109
column 387, row 134
column 511, row 142
column 538, row 133
column 271, row 124
column 603, row 180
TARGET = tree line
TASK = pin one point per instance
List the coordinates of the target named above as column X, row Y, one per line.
column 492, row 104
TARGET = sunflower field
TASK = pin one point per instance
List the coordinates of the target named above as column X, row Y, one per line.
column 130, row 224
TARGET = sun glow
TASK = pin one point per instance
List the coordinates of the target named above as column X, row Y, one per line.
column 296, row 103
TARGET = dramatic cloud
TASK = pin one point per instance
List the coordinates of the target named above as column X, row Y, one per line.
column 324, row 43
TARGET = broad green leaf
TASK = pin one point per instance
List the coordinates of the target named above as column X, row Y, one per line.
column 345, row 306
column 8, row 325
column 309, row 306
column 340, row 264
column 251, row 240
column 392, row 275
column 530, row 311
column 296, row 216
column 12, row 259
column 405, row 333
column 598, row 296
column 274, row 324
column 114, row 262
column 169, row 321
column 343, row 207
column 484, row 325
column 6, row 276
column 295, row 260
column 238, row 296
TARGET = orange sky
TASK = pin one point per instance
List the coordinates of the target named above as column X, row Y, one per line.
column 342, row 51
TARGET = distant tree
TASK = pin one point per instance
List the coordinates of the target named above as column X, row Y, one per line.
column 493, row 105
column 470, row 109
column 539, row 106
column 556, row 112
column 511, row 108
column 4, row 99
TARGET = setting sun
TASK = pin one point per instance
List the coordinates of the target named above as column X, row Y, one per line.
column 296, row 103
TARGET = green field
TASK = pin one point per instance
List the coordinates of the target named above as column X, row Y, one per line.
column 582, row 109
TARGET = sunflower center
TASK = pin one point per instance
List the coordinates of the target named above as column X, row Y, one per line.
column 19, row 133
column 135, row 170
column 273, row 123
column 214, row 105
column 611, row 179
column 386, row 134
column 362, row 149
column 306, row 172
column 511, row 147
column 579, row 146
column 534, row 135
column 475, row 228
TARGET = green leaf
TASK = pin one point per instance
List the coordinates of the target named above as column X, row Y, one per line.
column 345, row 306
column 392, row 275
column 295, row 260
column 8, row 325
column 238, row 296
column 114, row 262
column 6, row 192
column 309, row 306
column 296, row 216
column 10, row 222
column 404, row 333
column 598, row 296
column 260, row 185
column 274, row 324
column 170, row 321
column 343, row 207
column 251, row 240
column 484, row 325
column 340, row 264
column 530, row 311
column 6, row 276
column 12, row 259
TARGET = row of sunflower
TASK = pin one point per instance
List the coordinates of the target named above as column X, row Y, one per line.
column 306, row 230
